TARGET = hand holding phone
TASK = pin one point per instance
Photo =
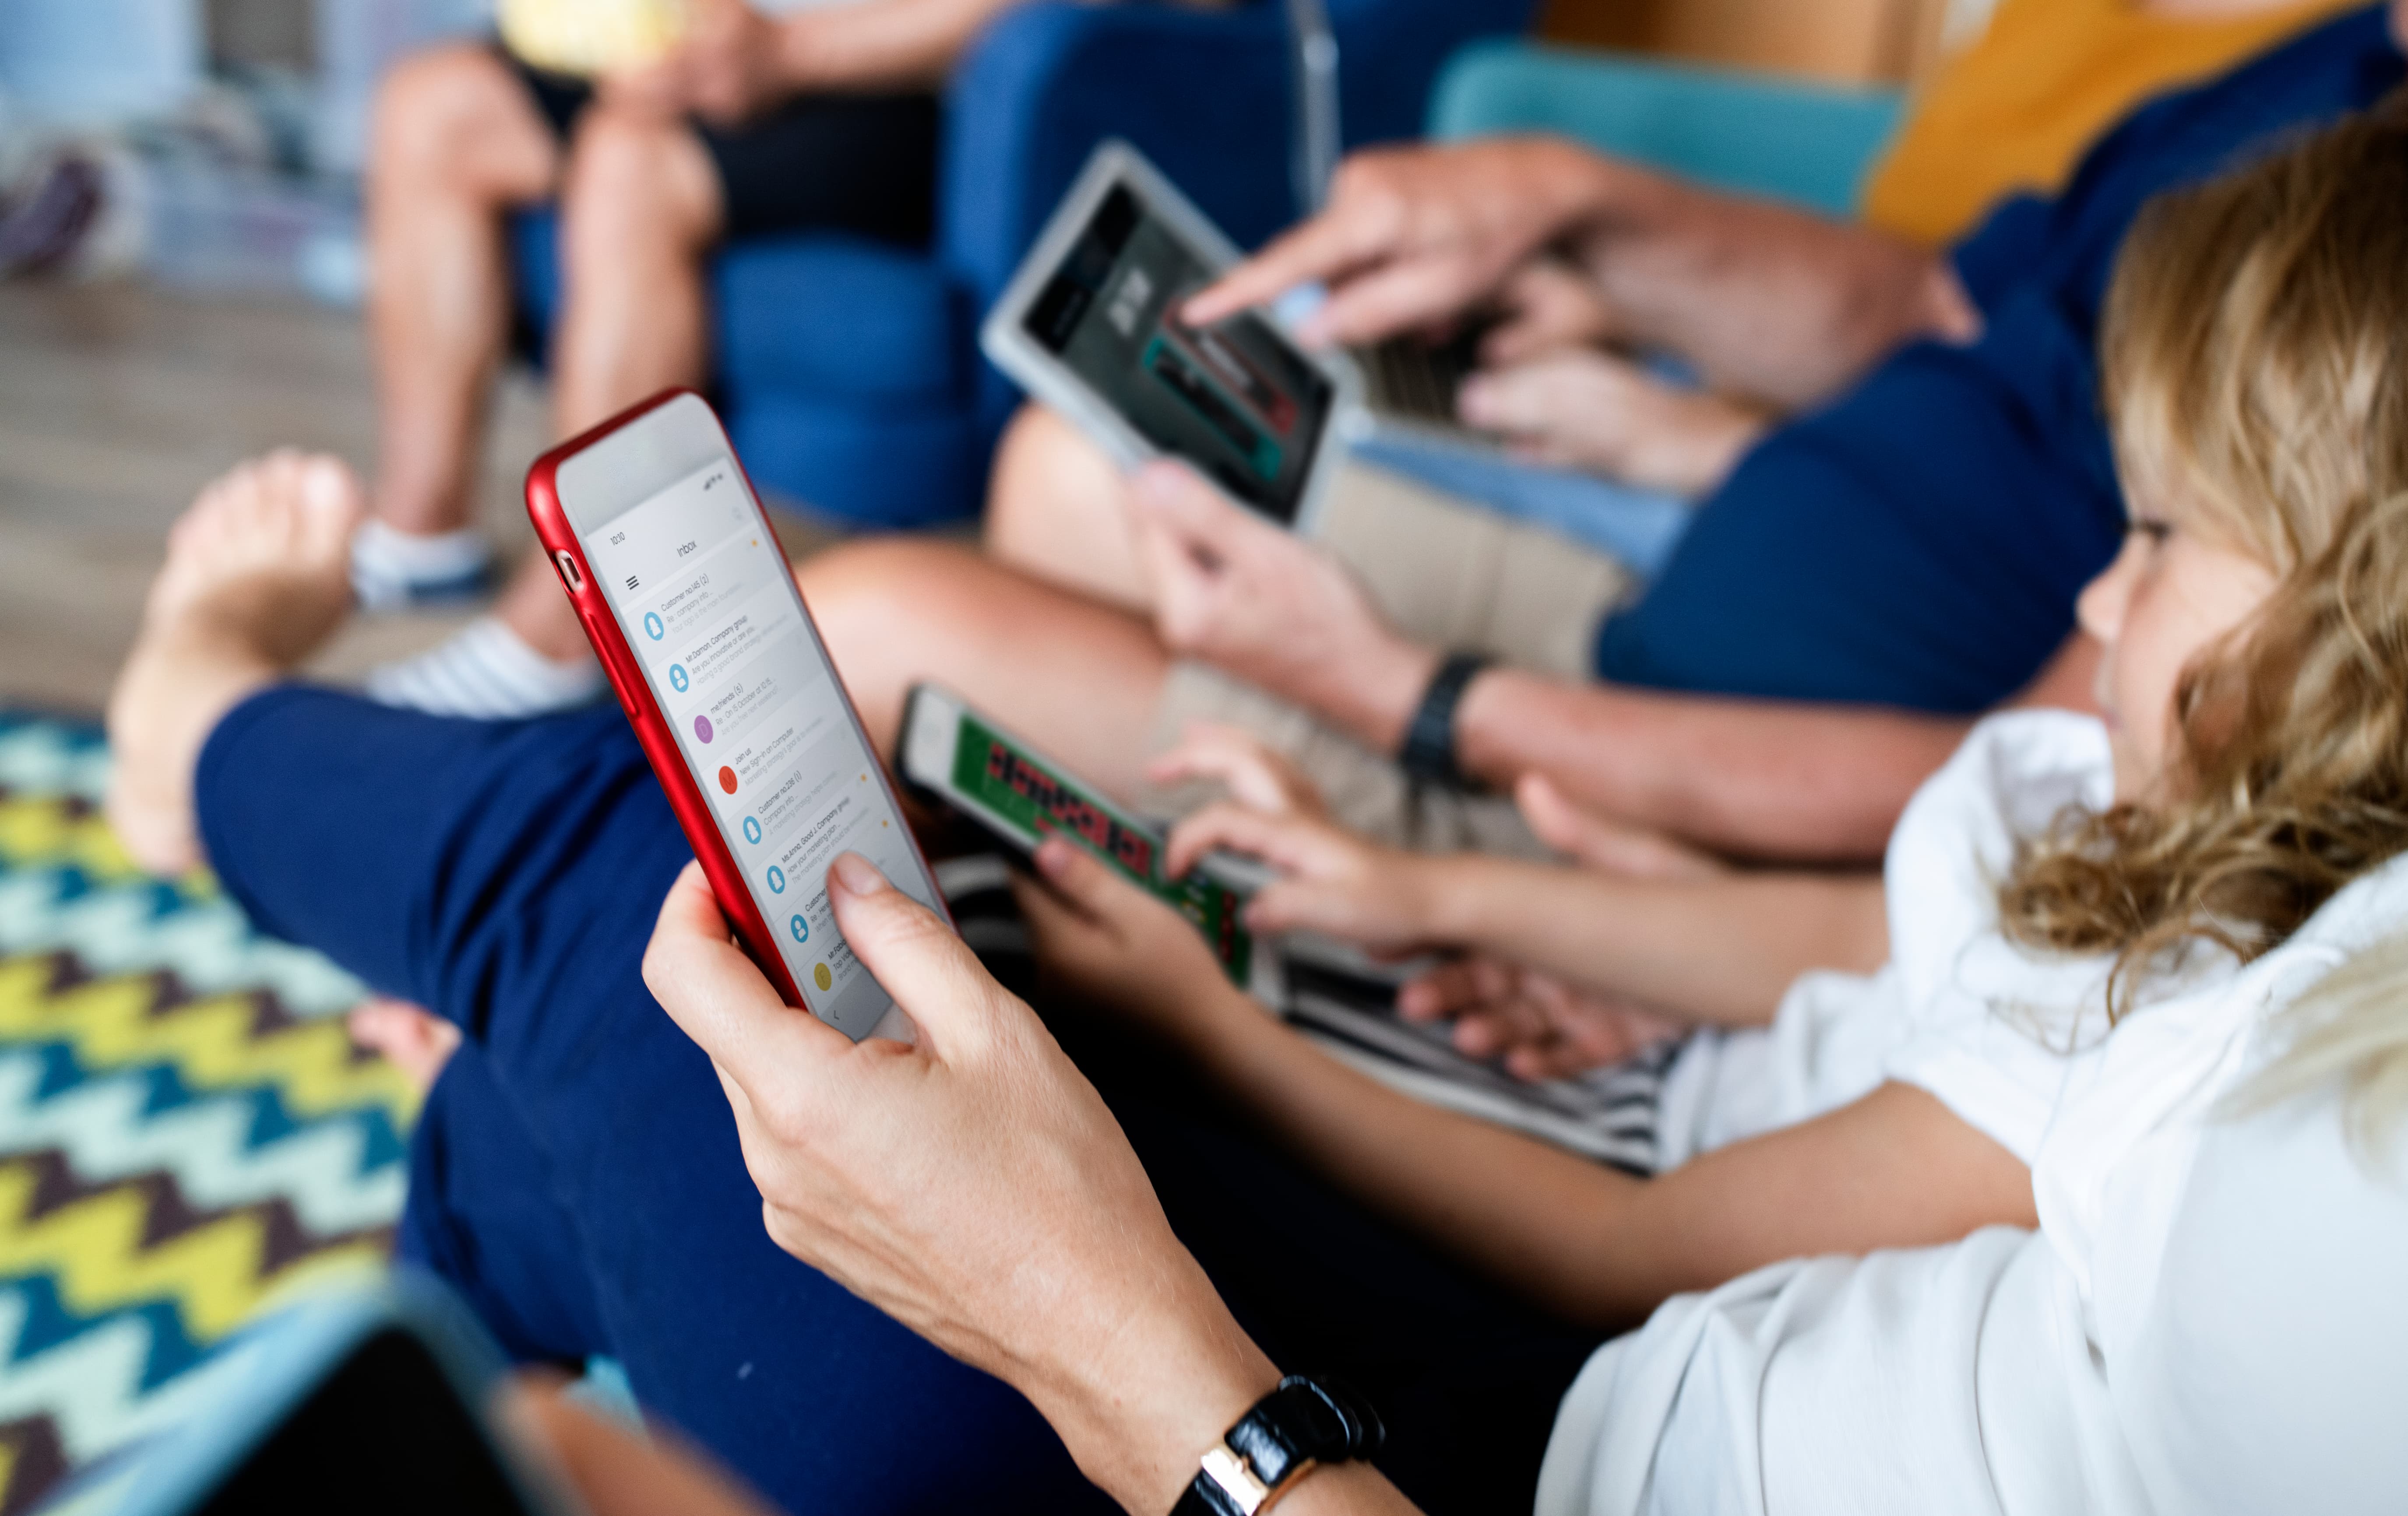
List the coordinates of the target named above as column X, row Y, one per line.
column 689, row 602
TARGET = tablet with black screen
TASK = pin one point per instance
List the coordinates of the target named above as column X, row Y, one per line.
column 1089, row 325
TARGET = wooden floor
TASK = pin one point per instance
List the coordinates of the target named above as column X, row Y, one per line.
column 117, row 404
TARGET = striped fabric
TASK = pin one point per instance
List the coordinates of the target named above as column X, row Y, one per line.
column 486, row 671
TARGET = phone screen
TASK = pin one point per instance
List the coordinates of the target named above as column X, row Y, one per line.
column 1234, row 399
column 1035, row 801
column 384, row 1433
column 704, row 596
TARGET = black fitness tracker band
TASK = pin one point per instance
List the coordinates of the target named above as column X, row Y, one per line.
column 1295, row 1429
column 1428, row 750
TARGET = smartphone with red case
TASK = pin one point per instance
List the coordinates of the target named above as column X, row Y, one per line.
column 659, row 539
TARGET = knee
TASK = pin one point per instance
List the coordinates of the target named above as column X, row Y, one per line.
column 882, row 593
column 1045, row 468
column 889, row 610
column 635, row 179
column 438, row 112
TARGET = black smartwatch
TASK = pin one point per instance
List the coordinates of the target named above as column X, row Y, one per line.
column 1428, row 750
column 1295, row 1429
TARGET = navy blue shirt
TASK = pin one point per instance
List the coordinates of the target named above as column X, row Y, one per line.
column 1920, row 542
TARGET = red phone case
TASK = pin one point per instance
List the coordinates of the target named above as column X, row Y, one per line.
column 602, row 629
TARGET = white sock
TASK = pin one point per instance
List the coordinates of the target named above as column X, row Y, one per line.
column 391, row 569
column 485, row 670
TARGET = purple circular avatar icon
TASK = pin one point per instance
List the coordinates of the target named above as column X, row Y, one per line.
column 702, row 728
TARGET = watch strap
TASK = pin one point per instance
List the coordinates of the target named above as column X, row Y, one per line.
column 1303, row 1423
column 1428, row 750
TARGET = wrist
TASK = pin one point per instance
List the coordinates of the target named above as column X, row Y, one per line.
column 1606, row 196
column 1382, row 689
column 1213, row 1024
column 800, row 55
column 1447, row 909
column 1138, row 1415
column 1692, row 459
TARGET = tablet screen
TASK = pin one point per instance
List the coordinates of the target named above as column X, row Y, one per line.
column 1233, row 399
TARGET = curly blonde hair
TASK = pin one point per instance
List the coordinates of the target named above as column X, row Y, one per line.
column 2255, row 360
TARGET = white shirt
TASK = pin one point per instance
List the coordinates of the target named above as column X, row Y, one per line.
column 1985, row 1377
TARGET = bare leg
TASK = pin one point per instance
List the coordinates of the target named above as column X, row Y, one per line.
column 1078, row 678
column 257, row 576
column 457, row 144
column 1056, row 508
column 640, row 210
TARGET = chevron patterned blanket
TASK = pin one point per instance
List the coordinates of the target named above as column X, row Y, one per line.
column 186, row 1132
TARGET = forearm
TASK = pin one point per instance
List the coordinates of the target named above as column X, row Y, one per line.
column 1720, row 951
column 1142, row 1437
column 880, row 44
column 1595, row 1246
column 1770, row 302
column 1753, row 778
column 1432, row 1171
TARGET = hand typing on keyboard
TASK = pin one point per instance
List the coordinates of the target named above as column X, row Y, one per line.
column 1582, row 409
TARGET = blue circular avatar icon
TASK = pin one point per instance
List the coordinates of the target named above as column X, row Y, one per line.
column 801, row 928
column 777, row 880
column 752, row 830
column 653, row 628
column 678, row 678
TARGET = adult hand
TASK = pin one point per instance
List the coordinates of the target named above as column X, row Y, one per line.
column 1588, row 410
column 731, row 65
column 1415, row 236
column 972, row 1186
column 735, row 62
column 1546, row 305
column 1107, row 941
column 1262, row 603
column 1383, row 899
column 1256, row 775
column 1539, row 1026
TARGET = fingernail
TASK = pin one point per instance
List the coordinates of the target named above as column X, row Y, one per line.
column 858, row 875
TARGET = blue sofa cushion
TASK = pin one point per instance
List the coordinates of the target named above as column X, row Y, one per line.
column 840, row 318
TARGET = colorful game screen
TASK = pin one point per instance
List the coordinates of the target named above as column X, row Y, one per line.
column 1233, row 399
column 1033, row 798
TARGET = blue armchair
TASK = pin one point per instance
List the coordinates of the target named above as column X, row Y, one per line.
column 849, row 371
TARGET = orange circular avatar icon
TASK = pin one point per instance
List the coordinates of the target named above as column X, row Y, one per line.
column 728, row 780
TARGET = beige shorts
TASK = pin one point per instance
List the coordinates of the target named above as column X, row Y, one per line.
column 1449, row 575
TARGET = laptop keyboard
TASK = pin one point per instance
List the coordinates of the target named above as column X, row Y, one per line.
column 1417, row 380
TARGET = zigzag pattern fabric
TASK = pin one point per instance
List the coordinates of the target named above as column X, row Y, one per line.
column 187, row 1134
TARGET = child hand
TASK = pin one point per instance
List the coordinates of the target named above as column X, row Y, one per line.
column 1381, row 900
column 1256, row 774
column 1539, row 1026
column 1114, row 943
column 1604, row 845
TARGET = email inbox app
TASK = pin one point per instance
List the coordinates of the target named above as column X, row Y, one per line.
column 727, row 656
